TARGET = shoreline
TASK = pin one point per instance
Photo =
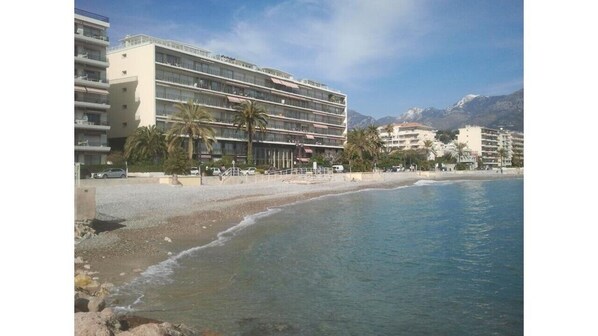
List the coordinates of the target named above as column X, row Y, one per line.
column 146, row 238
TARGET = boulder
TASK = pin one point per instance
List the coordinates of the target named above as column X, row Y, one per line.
column 94, row 324
column 96, row 304
column 149, row 329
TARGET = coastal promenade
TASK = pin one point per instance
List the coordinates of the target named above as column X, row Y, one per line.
column 141, row 222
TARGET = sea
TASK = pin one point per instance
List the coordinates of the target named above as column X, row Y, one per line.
column 433, row 258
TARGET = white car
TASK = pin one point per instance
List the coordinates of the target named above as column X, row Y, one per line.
column 194, row 171
column 248, row 171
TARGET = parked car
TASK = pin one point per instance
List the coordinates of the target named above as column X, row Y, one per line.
column 248, row 171
column 111, row 172
column 338, row 168
column 194, row 171
column 215, row 171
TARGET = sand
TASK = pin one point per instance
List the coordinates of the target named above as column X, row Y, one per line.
column 142, row 224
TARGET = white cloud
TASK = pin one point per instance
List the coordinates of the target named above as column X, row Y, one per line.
column 334, row 40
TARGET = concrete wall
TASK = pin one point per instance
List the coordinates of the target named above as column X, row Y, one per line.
column 85, row 203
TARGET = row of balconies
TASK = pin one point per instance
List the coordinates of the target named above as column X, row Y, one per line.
column 265, row 96
column 225, row 104
column 331, row 98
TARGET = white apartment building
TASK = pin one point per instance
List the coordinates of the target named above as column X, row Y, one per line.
column 505, row 142
column 149, row 75
column 406, row 136
column 518, row 149
column 483, row 143
column 91, row 88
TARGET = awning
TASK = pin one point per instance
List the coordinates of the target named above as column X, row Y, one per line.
column 80, row 89
column 285, row 83
column 320, row 126
column 235, row 99
column 308, row 150
column 309, row 136
column 289, row 84
column 98, row 91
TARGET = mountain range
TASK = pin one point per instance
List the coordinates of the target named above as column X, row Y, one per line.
column 488, row 111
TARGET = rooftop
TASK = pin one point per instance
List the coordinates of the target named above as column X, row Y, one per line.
column 141, row 39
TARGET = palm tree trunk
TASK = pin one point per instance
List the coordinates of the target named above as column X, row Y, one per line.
column 250, row 148
column 190, row 148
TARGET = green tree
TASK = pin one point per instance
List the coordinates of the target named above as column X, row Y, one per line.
column 176, row 162
column 251, row 117
column 459, row 151
column 362, row 148
column 429, row 148
column 190, row 121
column 502, row 155
column 446, row 136
column 145, row 144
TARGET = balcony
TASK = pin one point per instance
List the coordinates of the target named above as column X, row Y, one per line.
column 96, row 39
column 97, row 82
column 90, row 125
column 91, row 59
column 92, row 146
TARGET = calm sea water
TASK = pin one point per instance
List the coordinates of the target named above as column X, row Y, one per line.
column 436, row 258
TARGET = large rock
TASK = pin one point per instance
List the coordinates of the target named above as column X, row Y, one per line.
column 95, row 324
column 96, row 304
column 150, row 329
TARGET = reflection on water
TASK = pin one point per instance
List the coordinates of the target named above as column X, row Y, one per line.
column 427, row 260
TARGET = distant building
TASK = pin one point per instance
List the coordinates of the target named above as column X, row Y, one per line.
column 91, row 88
column 485, row 142
column 518, row 149
column 149, row 75
column 406, row 136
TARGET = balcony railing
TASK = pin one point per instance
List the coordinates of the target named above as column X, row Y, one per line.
column 91, row 99
column 92, row 57
column 90, row 143
column 92, row 15
column 93, row 123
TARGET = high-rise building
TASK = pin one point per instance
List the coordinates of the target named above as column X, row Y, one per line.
column 91, row 88
column 518, row 149
column 483, row 143
column 149, row 75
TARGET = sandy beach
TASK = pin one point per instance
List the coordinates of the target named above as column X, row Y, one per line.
column 142, row 224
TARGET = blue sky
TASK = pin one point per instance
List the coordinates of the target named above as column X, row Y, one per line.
column 386, row 55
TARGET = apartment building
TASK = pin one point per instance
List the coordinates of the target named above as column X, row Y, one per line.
column 406, row 136
column 505, row 142
column 517, row 145
column 482, row 142
column 149, row 75
column 91, row 88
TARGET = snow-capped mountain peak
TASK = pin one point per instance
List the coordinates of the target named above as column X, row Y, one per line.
column 464, row 101
column 412, row 113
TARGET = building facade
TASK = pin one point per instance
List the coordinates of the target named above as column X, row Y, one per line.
column 505, row 144
column 149, row 75
column 406, row 136
column 483, row 143
column 518, row 149
column 91, row 88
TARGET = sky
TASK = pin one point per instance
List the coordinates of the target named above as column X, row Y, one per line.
column 386, row 55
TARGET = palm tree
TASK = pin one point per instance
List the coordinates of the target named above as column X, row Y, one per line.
column 148, row 142
column 191, row 121
column 502, row 154
column 429, row 148
column 389, row 129
column 251, row 117
column 459, row 150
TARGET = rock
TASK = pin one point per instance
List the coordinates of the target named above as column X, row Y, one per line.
column 96, row 304
column 149, row 329
column 168, row 239
column 94, row 324
column 82, row 280
column 81, row 304
column 169, row 253
column 123, row 274
column 78, row 260
column 87, row 266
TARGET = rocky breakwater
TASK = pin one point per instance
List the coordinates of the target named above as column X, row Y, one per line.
column 94, row 318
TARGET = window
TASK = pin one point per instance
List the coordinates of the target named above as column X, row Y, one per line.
column 125, row 124
column 124, row 106
column 124, row 55
column 124, row 89
column 124, row 72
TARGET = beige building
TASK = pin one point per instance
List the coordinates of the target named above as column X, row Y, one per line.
column 149, row 75
column 406, row 136
column 482, row 142
column 91, row 88
column 505, row 142
column 518, row 149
